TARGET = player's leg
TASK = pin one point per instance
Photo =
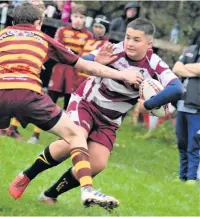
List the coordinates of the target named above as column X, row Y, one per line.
column 82, row 167
column 49, row 117
column 36, row 136
column 182, row 141
column 101, row 153
column 12, row 131
column 69, row 180
column 74, row 136
column 98, row 151
column 66, row 182
column 14, row 124
column 51, row 156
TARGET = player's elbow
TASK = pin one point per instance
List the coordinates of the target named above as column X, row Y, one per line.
column 175, row 68
column 178, row 93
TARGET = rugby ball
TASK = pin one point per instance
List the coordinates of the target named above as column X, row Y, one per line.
column 150, row 88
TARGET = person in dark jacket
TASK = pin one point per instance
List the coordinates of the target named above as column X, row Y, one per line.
column 131, row 12
column 188, row 114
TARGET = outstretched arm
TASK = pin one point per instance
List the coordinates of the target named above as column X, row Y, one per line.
column 97, row 69
column 59, row 53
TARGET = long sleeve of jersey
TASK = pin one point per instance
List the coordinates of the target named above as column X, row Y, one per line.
column 59, row 53
column 171, row 93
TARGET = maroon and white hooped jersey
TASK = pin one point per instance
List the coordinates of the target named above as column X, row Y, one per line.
column 115, row 98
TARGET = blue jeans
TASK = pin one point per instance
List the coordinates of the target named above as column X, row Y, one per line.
column 188, row 139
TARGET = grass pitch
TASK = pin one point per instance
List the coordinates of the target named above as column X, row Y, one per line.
column 141, row 174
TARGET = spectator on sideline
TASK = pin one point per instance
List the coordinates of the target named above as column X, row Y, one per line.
column 131, row 12
column 188, row 115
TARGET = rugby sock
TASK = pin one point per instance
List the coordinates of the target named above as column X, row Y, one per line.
column 14, row 124
column 66, row 182
column 36, row 132
column 43, row 162
column 81, row 162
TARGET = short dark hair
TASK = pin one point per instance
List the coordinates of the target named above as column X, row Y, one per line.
column 79, row 9
column 143, row 25
column 26, row 13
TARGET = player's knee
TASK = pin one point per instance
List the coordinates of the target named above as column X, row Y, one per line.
column 73, row 134
column 78, row 133
column 77, row 139
column 62, row 148
column 97, row 167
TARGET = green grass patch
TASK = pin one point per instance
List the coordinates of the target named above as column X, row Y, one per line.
column 141, row 174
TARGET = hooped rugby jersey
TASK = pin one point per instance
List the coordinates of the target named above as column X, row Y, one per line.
column 23, row 51
column 73, row 39
column 114, row 98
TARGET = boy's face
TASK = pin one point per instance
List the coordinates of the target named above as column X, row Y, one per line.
column 98, row 30
column 136, row 44
column 131, row 12
column 78, row 21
